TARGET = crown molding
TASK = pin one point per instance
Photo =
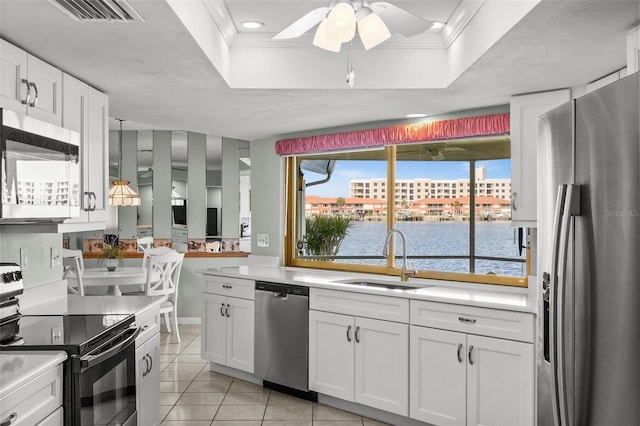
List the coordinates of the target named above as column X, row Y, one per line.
column 222, row 18
column 459, row 20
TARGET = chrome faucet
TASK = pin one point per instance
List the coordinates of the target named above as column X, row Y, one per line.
column 404, row 272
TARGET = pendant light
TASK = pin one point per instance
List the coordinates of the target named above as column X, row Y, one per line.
column 121, row 194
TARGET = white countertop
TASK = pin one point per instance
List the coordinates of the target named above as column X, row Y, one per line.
column 75, row 304
column 19, row 368
column 482, row 295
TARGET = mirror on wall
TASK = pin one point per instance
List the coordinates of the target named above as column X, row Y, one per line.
column 179, row 189
column 214, row 189
column 144, row 170
column 192, row 171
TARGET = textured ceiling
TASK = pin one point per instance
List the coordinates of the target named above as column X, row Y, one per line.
column 157, row 76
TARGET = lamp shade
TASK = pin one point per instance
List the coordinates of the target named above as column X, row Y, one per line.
column 341, row 23
column 322, row 40
column 121, row 194
column 372, row 30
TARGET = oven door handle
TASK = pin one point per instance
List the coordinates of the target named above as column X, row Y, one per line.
column 89, row 360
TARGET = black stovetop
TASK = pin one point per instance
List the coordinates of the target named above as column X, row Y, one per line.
column 75, row 334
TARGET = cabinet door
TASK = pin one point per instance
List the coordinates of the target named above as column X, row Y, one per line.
column 75, row 115
column 214, row 328
column 240, row 329
column 150, row 396
column 13, row 70
column 524, row 112
column 47, row 80
column 96, row 157
column 331, row 354
column 382, row 365
column 438, row 376
column 499, row 382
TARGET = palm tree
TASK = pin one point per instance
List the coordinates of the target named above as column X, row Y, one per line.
column 340, row 203
column 324, row 234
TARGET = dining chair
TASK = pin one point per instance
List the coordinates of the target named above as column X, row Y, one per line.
column 73, row 266
column 163, row 277
column 154, row 251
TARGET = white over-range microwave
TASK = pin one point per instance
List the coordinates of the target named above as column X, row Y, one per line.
column 40, row 170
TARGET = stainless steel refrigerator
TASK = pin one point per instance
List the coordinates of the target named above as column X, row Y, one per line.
column 588, row 340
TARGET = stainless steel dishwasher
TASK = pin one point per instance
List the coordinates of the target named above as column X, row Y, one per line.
column 282, row 335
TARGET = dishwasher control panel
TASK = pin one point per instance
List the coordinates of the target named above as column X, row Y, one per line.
column 282, row 288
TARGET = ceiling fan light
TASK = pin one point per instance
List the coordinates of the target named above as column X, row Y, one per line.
column 322, row 40
column 372, row 31
column 341, row 22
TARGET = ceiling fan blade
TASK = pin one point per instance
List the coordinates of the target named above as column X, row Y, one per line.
column 399, row 20
column 303, row 24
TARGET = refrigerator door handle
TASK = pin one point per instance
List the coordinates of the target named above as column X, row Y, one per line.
column 553, row 343
column 570, row 207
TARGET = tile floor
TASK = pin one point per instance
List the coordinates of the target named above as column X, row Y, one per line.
column 191, row 395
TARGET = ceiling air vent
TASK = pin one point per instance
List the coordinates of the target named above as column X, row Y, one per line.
column 98, row 10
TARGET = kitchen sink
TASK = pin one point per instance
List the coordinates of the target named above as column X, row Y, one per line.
column 379, row 284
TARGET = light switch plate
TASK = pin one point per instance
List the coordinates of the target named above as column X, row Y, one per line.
column 263, row 240
column 24, row 258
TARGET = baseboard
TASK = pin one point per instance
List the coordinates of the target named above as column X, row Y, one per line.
column 192, row 320
column 232, row 372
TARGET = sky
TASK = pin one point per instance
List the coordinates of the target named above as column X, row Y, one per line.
column 347, row 170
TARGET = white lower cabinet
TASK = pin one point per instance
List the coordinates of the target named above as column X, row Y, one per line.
column 359, row 359
column 228, row 327
column 39, row 400
column 148, row 381
column 459, row 378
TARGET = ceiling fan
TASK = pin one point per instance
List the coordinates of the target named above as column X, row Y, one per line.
column 338, row 22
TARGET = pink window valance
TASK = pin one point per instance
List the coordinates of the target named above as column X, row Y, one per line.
column 486, row 125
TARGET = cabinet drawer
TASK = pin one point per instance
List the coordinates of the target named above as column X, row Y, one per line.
column 234, row 287
column 54, row 419
column 35, row 400
column 473, row 320
column 360, row 304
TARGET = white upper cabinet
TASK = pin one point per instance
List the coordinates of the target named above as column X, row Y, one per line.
column 29, row 85
column 86, row 111
column 525, row 110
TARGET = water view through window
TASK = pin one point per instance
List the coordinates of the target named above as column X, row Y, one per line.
column 453, row 202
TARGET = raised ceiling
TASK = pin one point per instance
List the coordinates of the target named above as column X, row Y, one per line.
column 191, row 66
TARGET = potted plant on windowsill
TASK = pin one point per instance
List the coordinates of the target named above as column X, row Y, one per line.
column 112, row 255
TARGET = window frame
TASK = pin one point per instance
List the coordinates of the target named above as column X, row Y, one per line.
column 292, row 184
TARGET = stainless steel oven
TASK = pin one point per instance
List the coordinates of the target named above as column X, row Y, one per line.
column 100, row 371
column 104, row 381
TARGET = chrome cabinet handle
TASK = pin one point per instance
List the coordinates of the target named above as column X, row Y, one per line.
column 222, row 309
column 150, row 363
column 35, row 99
column 513, row 201
column 356, row 334
column 227, row 310
column 88, row 195
column 349, row 334
column 25, row 101
column 470, row 351
column 468, row 320
column 146, row 361
column 226, row 286
column 93, row 200
column 12, row 418
column 460, row 353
